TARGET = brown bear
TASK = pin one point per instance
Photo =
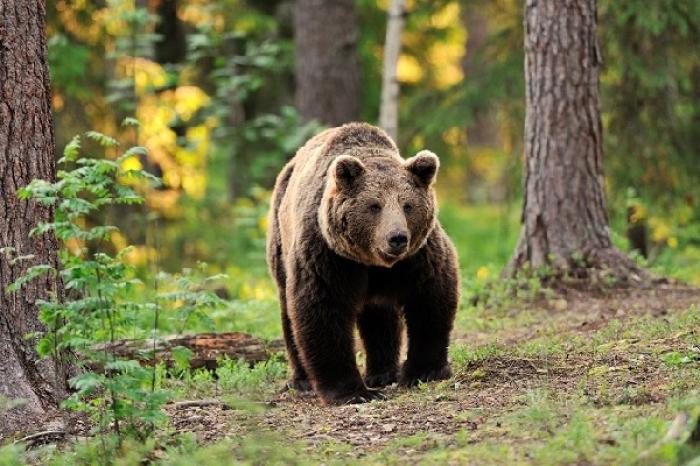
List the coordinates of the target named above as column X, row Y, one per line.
column 353, row 239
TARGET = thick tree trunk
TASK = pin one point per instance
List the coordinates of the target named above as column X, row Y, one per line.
column 26, row 152
column 326, row 61
column 389, row 109
column 565, row 223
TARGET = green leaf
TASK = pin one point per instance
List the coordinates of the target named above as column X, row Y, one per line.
column 87, row 382
column 130, row 121
column 182, row 357
column 71, row 151
column 32, row 273
column 102, row 139
column 123, row 366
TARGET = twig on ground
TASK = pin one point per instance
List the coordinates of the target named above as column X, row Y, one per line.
column 200, row 404
column 40, row 438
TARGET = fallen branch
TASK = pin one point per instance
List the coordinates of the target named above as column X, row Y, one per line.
column 675, row 433
column 41, row 438
column 200, row 404
column 677, row 429
column 207, row 349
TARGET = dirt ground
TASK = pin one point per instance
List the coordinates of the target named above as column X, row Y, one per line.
column 482, row 389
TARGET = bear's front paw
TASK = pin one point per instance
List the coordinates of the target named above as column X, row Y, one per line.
column 359, row 396
column 382, row 379
column 411, row 377
column 298, row 384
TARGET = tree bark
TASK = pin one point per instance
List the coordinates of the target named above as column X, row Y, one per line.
column 326, row 61
column 389, row 109
column 26, row 153
column 565, row 222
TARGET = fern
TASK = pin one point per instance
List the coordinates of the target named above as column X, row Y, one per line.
column 102, row 139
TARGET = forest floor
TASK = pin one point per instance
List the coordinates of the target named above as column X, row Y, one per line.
column 568, row 379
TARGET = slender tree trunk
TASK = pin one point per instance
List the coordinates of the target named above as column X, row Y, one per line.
column 483, row 130
column 326, row 61
column 26, row 152
column 389, row 110
column 565, row 222
column 172, row 45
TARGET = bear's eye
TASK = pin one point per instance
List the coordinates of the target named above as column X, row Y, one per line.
column 375, row 208
column 407, row 208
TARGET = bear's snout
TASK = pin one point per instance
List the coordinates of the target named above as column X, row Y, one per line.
column 398, row 242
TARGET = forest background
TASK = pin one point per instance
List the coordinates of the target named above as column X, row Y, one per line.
column 214, row 96
column 213, row 85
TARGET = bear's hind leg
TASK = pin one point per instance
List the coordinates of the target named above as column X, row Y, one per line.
column 380, row 329
column 299, row 379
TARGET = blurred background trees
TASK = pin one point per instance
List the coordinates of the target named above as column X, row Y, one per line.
column 226, row 91
column 326, row 65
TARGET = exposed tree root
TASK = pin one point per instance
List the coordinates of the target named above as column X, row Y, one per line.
column 595, row 269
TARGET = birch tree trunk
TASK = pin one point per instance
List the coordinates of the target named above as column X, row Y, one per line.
column 326, row 62
column 564, row 219
column 26, row 152
column 389, row 109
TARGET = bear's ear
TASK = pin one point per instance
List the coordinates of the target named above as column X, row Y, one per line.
column 424, row 165
column 346, row 170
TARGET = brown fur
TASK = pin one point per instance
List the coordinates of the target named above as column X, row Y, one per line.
column 353, row 240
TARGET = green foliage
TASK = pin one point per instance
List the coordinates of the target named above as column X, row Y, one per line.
column 462, row 356
column 104, row 64
column 68, row 63
column 11, row 455
column 186, row 298
column 94, row 310
column 650, row 89
column 238, row 376
column 674, row 358
column 98, row 305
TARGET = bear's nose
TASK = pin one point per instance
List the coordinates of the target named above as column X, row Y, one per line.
column 398, row 241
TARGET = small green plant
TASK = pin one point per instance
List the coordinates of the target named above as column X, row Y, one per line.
column 237, row 375
column 95, row 303
column 540, row 414
column 10, row 455
column 121, row 394
column 677, row 359
column 462, row 356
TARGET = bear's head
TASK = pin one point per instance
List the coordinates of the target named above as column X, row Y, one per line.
column 379, row 210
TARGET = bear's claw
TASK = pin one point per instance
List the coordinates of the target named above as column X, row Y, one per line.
column 381, row 380
column 360, row 396
column 301, row 385
column 410, row 377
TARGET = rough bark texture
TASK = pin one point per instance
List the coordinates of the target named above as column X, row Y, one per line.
column 564, row 219
column 389, row 110
column 326, row 61
column 26, row 152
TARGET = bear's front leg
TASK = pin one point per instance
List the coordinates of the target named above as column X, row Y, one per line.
column 380, row 329
column 429, row 313
column 428, row 324
column 323, row 330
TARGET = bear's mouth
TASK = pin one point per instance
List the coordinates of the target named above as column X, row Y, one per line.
column 388, row 257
